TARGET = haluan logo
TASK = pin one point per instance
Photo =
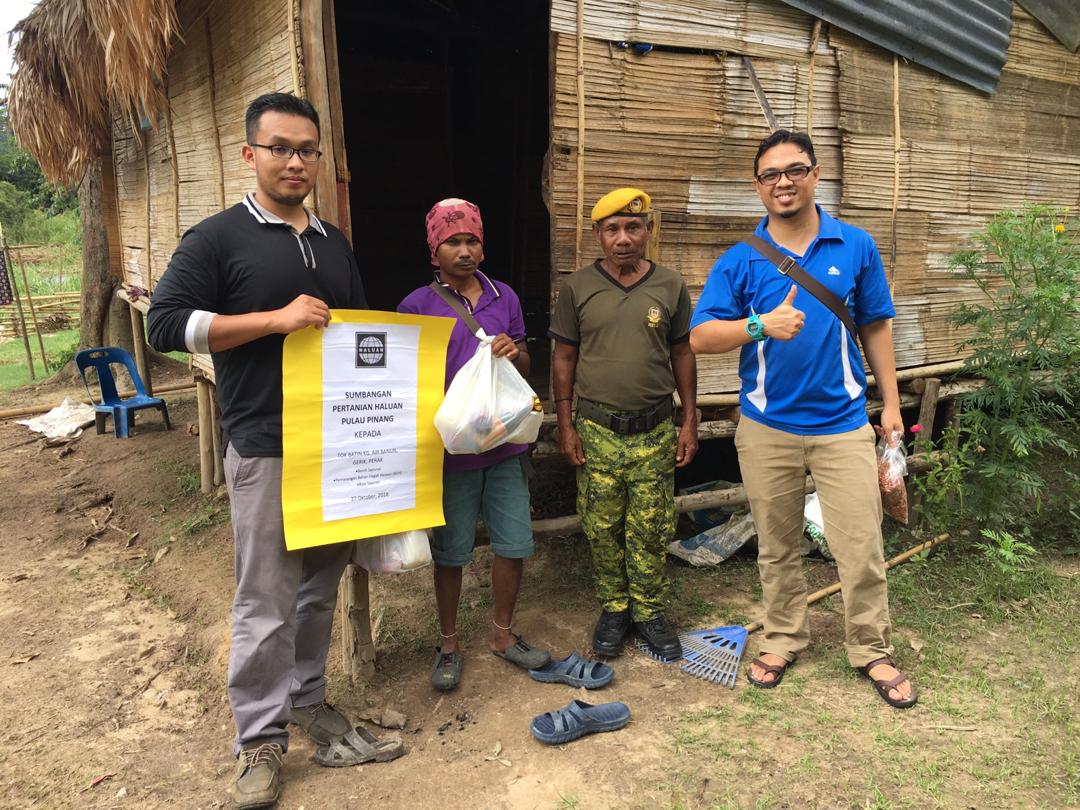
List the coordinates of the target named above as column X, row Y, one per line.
column 371, row 349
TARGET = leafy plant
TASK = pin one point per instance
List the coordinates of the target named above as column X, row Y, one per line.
column 1005, row 551
column 1023, row 335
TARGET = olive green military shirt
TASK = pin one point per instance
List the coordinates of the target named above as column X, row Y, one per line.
column 623, row 334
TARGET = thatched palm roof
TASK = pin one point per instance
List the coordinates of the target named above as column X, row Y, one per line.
column 73, row 60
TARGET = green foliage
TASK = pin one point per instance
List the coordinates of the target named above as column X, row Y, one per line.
column 32, row 210
column 1005, row 551
column 23, row 173
column 1014, row 435
column 63, row 355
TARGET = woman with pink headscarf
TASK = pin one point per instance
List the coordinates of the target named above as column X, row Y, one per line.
column 494, row 484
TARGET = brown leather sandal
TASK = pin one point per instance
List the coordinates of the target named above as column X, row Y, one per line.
column 770, row 669
column 884, row 686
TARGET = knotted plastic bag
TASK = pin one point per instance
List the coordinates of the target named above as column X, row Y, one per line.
column 487, row 404
column 392, row 553
column 892, row 467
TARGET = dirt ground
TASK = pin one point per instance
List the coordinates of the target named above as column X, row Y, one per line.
column 113, row 648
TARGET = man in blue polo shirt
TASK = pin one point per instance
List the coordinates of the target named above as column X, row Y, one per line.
column 803, row 400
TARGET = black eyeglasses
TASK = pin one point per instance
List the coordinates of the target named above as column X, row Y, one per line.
column 796, row 173
column 282, row 152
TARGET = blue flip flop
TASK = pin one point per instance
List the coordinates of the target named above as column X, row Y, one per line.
column 578, row 719
column 574, row 671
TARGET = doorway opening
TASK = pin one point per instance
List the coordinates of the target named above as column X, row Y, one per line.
column 448, row 98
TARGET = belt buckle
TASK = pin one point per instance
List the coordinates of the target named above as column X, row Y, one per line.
column 786, row 265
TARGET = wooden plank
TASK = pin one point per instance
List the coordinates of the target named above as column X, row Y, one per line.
column 358, row 646
column 316, row 82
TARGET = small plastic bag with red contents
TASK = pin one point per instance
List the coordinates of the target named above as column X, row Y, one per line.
column 892, row 467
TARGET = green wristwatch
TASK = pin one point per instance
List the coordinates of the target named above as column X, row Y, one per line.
column 755, row 328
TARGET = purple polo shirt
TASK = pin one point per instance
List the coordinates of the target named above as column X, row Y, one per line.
column 497, row 310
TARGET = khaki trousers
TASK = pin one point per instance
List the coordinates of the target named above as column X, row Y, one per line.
column 844, row 467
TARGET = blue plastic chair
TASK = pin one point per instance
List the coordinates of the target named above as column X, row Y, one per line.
column 121, row 410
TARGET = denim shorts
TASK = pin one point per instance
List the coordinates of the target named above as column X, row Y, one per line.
column 500, row 494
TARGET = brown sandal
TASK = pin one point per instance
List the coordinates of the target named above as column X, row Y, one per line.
column 884, row 686
column 770, row 669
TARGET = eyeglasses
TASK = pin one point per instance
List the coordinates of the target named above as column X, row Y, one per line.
column 282, row 152
column 795, row 173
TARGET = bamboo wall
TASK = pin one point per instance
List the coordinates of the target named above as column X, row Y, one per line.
column 684, row 126
column 189, row 167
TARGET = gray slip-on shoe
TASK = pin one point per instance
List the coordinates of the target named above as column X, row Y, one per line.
column 322, row 722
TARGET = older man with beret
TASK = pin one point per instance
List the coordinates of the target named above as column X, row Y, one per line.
column 621, row 328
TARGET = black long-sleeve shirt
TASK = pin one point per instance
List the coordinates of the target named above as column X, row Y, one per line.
column 242, row 261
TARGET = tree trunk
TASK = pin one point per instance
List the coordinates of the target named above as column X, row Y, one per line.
column 98, row 282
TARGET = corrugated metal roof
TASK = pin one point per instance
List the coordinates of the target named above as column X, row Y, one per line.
column 1062, row 17
column 966, row 40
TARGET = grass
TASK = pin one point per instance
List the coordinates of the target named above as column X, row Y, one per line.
column 994, row 728
column 14, row 372
column 49, row 269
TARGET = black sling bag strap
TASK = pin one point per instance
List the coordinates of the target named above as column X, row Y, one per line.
column 790, row 268
column 455, row 305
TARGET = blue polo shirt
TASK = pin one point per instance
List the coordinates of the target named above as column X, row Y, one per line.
column 813, row 384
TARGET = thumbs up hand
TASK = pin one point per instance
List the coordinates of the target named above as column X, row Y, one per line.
column 784, row 322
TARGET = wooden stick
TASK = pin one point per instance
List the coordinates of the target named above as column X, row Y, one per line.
column 31, row 410
column 902, row 375
column 710, row 499
column 215, row 437
column 206, row 442
column 815, row 36
column 211, row 75
column 817, row 596
column 357, row 648
column 33, row 315
column 138, row 335
column 928, row 405
column 896, row 166
column 294, row 49
column 580, row 132
column 759, row 91
column 22, row 317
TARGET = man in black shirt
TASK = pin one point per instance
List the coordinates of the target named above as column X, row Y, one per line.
column 237, row 284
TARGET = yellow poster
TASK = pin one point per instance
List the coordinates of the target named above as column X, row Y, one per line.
column 361, row 456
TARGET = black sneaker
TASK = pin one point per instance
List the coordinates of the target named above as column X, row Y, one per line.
column 611, row 629
column 660, row 638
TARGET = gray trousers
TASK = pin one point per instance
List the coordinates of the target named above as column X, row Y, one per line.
column 283, row 609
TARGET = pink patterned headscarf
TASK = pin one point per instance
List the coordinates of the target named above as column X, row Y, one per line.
column 449, row 217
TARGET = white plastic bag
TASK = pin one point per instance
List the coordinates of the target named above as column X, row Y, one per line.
column 392, row 553
column 487, row 404
column 814, row 526
column 892, row 467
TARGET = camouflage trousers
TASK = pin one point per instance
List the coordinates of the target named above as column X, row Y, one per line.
column 626, row 502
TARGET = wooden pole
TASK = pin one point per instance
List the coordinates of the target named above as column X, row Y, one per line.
column 22, row 317
column 30, row 410
column 215, row 436
column 817, row 596
column 138, row 335
column 358, row 647
column 711, row 499
column 580, row 210
column 33, row 315
column 896, row 167
column 815, row 36
column 759, row 91
column 206, row 441
column 928, row 405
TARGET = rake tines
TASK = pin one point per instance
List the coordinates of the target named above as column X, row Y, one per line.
column 712, row 655
column 719, row 661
